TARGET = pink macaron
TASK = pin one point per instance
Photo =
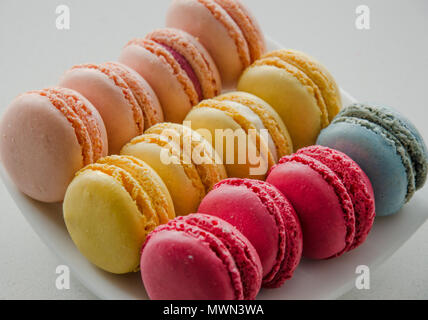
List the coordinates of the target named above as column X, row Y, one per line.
column 177, row 66
column 226, row 28
column 266, row 218
column 124, row 99
column 46, row 137
column 332, row 197
column 200, row 257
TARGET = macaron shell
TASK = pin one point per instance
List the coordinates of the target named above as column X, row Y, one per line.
column 171, row 84
column 143, row 93
column 218, row 33
column 104, row 222
column 171, row 261
column 318, row 74
column 294, row 101
column 197, row 56
column 109, row 99
column 186, row 190
column 321, row 201
column 377, row 157
column 39, row 148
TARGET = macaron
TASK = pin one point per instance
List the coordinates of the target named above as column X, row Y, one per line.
column 227, row 30
column 386, row 146
column 299, row 88
column 266, row 218
column 178, row 68
column 111, row 206
column 46, row 136
column 332, row 196
column 245, row 132
column 185, row 161
column 280, row 142
column 125, row 101
column 200, row 257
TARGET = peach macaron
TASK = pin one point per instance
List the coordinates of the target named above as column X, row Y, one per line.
column 227, row 30
column 124, row 99
column 177, row 66
column 46, row 137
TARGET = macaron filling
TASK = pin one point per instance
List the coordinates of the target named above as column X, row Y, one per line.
column 186, row 66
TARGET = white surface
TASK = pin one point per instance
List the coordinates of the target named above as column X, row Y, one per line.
column 387, row 64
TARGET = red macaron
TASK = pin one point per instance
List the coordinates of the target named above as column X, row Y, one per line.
column 266, row 218
column 332, row 197
column 200, row 257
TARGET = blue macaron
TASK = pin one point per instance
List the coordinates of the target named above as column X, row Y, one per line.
column 387, row 146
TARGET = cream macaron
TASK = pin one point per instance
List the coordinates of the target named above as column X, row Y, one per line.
column 246, row 132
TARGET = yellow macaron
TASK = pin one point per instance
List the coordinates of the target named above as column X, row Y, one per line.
column 233, row 123
column 299, row 88
column 280, row 143
column 188, row 180
column 111, row 206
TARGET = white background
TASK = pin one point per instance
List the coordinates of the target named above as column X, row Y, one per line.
column 387, row 64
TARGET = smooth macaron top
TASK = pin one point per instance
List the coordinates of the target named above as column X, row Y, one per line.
column 226, row 28
column 46, row 137
column 266, row 218
column 178, row 68
column 111, row 206
column 112, row 96
column 200, row 257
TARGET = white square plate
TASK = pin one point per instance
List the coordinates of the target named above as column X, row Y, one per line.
column 312, row 280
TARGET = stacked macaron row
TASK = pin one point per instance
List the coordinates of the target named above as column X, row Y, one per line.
column 158, row 78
